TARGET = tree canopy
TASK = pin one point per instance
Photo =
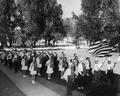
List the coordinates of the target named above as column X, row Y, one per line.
column 99, row 20
column 35, row 19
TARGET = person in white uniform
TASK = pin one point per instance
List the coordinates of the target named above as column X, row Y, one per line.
column 49, row 64
column 39, row 64
column 33, row 69
column 24, row 64
column 116, row 74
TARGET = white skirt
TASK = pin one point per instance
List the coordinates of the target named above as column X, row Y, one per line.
column 49, row 70
column 33, row 72
column 66, row 74
column 39, row 65
column 24, row 68
column 61, row 68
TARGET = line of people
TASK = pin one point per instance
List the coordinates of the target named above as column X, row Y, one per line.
column 75, row 70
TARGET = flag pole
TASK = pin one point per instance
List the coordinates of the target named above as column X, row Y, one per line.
column 104, row 62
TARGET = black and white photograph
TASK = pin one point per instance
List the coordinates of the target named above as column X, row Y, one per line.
column 59, row 47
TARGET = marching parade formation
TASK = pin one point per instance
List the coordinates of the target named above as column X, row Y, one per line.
column 75, row 70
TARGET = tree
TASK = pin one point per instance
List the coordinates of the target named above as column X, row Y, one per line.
column 11, row 17
column 70, row 26
column 43, row 19
column 98, row 16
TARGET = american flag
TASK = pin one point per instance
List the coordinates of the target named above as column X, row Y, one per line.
column 101, row 49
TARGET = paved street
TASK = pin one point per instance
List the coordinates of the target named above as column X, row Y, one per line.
column 43, row 87
column 7, row 87
column 25, row 85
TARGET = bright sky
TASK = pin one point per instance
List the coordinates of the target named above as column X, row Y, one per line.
column 70, row 6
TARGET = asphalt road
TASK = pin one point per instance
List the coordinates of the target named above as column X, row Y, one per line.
column 7, row 87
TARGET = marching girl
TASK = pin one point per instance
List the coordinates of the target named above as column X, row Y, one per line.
column 24, row 63
column 39, row 64
column 33, row 69
column 62, row 65
column 50, row 65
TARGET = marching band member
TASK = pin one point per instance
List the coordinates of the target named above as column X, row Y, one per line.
column 9, row 59
column 87, row 64
column 24, row 63
column 69, row 77
column 109, row 69
column 55, row 62
column 50, row 65
column 33, row 69
column 15, row 62
column 3, row 57
column 96, row 69
column 76, row 61
column 39, row 64
column 80, row 73
column 62, row 66
column 116, row 73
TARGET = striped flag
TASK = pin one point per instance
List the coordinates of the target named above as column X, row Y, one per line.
column 101, row 49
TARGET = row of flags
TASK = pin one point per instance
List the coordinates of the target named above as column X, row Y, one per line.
column 102, row 49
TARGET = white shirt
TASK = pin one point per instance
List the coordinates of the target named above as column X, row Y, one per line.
column 79, row 69
column 87, row 64
column 97, row 66
column 116, row 69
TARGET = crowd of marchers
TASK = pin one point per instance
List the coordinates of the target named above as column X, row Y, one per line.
column 74, row 71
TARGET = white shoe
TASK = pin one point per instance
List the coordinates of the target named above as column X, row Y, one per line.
column 48, row 78
column 33, row 81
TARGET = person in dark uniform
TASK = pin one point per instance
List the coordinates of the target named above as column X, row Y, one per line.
column 16, row 63
column 69, row 77
column 9, row 60
column 110, row 70
column 55, row 63
column 116, row 73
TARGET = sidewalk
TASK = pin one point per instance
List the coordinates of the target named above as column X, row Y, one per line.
column 25, row 85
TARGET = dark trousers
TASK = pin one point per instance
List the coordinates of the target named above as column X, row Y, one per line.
column 16, row 66
column 69, row 86
column 110, row 74
column 103, row 77
column 96, row 76
column 80, row 81
column 39, row 70
column 116, row 82
column 10, row 64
